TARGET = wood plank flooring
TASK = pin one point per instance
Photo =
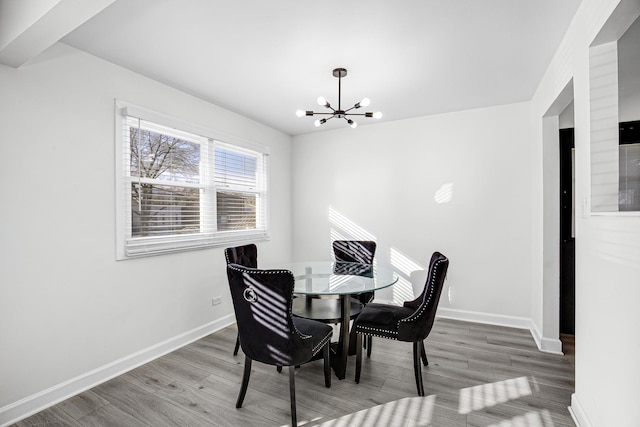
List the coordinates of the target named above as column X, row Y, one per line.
column 478, row 375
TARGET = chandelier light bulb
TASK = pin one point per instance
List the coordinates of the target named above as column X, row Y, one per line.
column 352, row 124
column 300, row 113
column 322, row 101
column 317, row 123
column 377, row 115
column 365, row 102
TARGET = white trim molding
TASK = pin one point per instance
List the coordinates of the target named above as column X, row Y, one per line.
column 577, row 413
column 547, row 345
column 39, row 401
column 488, row 318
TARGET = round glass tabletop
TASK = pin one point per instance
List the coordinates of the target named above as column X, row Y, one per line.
column 339, row 278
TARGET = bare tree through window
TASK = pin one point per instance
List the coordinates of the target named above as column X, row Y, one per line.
column 156, row 209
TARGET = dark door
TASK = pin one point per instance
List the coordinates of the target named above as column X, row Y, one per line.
column 567, row 235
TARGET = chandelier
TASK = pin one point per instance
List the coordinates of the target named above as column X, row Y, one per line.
column 339, row 112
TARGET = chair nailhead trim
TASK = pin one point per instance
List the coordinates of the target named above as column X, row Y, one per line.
column 367, row 330
column 371, row 334
column 321, row 344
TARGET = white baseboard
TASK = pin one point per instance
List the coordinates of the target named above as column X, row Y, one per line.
column 39, row 401
column 547, row 345
column 577, row 413
column 488, row 318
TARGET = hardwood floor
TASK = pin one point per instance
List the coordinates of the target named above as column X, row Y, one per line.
column 569, row 347
column 478, row 375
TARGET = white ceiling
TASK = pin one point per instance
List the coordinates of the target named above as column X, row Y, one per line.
column 266, row 59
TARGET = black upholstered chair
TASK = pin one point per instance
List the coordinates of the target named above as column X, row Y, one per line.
column 363, row 252
column 268, row 331
column 410, row 322
column 246, row 255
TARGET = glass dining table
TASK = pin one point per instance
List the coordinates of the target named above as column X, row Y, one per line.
column 337, row 281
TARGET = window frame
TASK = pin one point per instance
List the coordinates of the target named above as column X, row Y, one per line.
column 129, row 247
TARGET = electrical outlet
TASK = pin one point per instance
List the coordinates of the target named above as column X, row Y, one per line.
column 216, row 301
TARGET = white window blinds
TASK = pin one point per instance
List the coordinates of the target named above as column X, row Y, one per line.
column 180, row 190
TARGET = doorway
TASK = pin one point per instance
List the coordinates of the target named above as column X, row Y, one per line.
column 567, row 241
column 560, row 115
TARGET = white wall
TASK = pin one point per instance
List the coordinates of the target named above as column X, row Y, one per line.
column 607, row 246
column 384, row 178
column 566, row 117
column 66, row 306
column 629, row 78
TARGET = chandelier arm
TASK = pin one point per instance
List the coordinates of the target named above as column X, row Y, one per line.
column 353, row 108
column 358, row 114
column 326, row 120
column 324, row 114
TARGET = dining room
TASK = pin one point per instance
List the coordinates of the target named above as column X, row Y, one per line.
column 86, row 304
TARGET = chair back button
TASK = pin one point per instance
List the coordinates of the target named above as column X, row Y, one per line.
column 250, row 295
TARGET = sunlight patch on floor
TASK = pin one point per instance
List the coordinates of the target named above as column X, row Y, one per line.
column 487, row 395
column 530, row 419
column 410, row 411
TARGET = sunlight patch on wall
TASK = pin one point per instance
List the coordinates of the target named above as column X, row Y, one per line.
column 336, row 235
column 403, row 263
column 451, row 294
column 347, row 227
column 405, row 266
column 402, row 291
column 444, row 194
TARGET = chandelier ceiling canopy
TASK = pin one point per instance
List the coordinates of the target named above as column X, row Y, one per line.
column 339, row 112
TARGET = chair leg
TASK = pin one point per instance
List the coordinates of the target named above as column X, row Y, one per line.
column 245, row 381
column 235, row 350
column 327, row 364
column 423, row 353
column 369, row 345
column 292, row 393
column 417, row 369
column 279, row 368
column 358, row 356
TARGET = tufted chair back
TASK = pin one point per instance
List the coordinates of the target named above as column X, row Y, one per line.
column 361, row 251
column 246, row 255
column 417, row 326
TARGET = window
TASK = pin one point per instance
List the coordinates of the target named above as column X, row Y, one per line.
column 180, row 188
